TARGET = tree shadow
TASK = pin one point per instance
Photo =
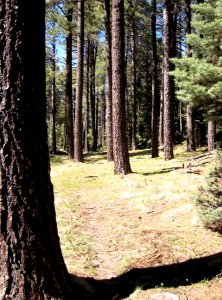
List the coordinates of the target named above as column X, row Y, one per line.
column 140, row 153
column 162, row 171
column 172, row 275
column 94, row 157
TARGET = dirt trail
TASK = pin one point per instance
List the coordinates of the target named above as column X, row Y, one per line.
column 142, row 220
column 144, row 225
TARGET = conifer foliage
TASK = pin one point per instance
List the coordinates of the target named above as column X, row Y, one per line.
column 199, row 76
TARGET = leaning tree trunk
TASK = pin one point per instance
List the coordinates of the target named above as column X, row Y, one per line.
column 109, row 127
column 31, row 263
column 78, row 150
column 168, row 128
column 120, row 147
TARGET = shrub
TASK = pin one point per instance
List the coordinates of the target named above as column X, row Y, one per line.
column 209, row 200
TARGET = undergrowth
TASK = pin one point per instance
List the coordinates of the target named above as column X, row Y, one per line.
column 209, row 200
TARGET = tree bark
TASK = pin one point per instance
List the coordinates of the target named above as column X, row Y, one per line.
column 190, row 130
column 161, row 134
column 133, row 94
column 92, row 64
column 168, row 128
column 31, row 263
column 211, row 130
column 78, row 150
column 155, row 102
column 86, row 123
column 190, row 119
column 120, row 147
column 69, row 103
column 54, row 96
column 102, row 119
column 109, row 131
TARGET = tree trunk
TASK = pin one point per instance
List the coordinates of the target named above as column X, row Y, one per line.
column 102, row 120
column 86, row 123
column 161, row 134
column 190, row 130
column 109, row 131
column 54, row 97
column 168, row 128
column 133, row 95
column 31, row 263
column 211, row 130
column 78, row 150
column 180, row 118
column 69, row 102
column 173, row 24
column 120, row 147
column 93, row 54
column 154, row 125
column 127, row 82
column 190, row 120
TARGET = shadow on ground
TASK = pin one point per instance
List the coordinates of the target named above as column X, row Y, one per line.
column 162, row 171
column 174, row 275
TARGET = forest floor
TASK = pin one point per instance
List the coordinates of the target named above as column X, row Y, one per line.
column 110, row 224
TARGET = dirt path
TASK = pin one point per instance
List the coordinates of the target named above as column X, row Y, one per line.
column 112, row 224
column 144, row 225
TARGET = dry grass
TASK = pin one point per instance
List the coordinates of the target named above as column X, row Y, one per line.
column 109, row 224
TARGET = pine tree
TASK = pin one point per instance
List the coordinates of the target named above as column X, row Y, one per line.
column 167, row 95
column 31, row 262
column 120, row 147
column 199, row 77
column 107, row 17
column 154, row 125
column 78, row 150
column 69, row 101
column 190, row 116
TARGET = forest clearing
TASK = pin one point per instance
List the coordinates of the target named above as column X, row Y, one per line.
column 109, row 224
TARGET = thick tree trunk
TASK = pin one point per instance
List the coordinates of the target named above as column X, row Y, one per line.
column 155, row 102
column 168, row 128
column 109, row 130
column 69, row 102
column 78, row 150
column 31, row 263
column 120, row 147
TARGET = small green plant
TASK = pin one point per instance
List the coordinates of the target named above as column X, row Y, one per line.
column 209, row 200
column 137, row 290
